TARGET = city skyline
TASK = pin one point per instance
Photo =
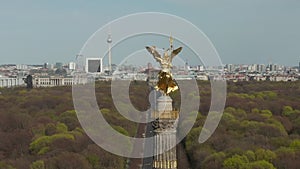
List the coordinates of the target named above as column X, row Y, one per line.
column 242, row 31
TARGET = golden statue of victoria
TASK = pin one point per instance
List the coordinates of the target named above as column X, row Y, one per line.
column 165, row 83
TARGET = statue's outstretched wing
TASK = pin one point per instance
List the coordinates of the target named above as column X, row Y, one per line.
column 154, row 52
column 175, row 52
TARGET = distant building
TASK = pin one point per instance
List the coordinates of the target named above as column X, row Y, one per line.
column 282, row 78
column 261, row 68
column 273, row 67
column 22, row 67
column 58, row 65
column 252, row 68
column 52, row 81
column 48, row 66
column 229, row 67
column 45, row 65
column 11, row 82
column 94, row 65
column 200, row 68
column 202, row 77
column 72, row 66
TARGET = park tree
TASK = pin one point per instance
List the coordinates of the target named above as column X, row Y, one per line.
column 236, row 162
column 262, row 164
column 214, row 161
column 38, row 165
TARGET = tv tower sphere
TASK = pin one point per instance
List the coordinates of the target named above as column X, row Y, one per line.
column 109, row 39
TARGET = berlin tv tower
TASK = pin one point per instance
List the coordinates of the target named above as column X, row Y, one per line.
column 109, row 41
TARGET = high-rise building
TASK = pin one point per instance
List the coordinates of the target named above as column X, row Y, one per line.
column 94, row 65
column 58, row 65
column 261, row 68
column 72, row 66
column 45, row 66
column 274, row 67
column 230, row 67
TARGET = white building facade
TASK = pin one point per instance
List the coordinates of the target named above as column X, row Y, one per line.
column 11, row 82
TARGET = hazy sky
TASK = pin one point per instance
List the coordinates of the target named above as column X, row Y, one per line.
column 243, row 31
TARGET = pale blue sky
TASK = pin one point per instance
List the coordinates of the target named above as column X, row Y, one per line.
column 243, row 31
